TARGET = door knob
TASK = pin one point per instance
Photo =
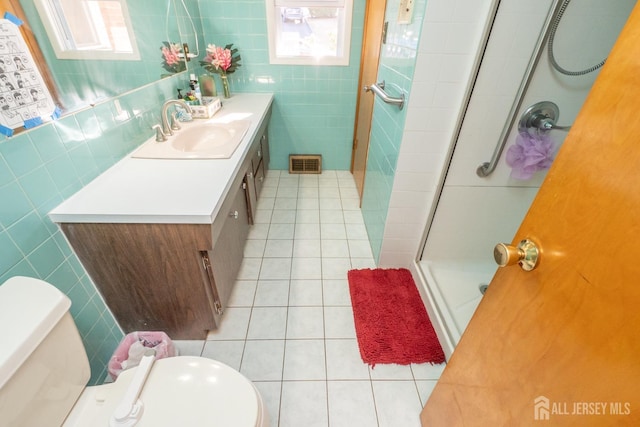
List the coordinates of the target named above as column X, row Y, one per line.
column 525, row 254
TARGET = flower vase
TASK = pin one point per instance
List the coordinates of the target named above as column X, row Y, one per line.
column 225, row 86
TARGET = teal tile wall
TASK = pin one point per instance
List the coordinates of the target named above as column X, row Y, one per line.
column 314, row 106
column 44, row 166
column 397, row 63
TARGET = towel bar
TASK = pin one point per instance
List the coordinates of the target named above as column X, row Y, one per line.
column 378, row 89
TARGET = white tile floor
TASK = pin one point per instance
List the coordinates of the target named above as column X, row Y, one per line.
column 289, row 324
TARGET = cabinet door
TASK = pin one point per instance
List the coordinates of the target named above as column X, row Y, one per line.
column 228, row 249
column 259, row 178
column 251, row 195
column 264, row 144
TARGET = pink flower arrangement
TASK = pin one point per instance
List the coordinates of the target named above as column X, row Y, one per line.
column 172, row 60
column 221, row 60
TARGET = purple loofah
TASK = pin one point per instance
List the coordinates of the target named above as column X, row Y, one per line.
column 529, row 155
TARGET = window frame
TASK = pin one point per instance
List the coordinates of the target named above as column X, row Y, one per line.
column 274, row 23
column 55, row 24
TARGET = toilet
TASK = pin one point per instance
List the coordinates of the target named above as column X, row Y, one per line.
column 44, row 370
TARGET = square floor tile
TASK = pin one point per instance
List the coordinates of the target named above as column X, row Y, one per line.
column 344, row 361
column 333, row 231
column 339, row 323
column 331, row 216
column 258, row 231
column 397, row 403
column 262, row 216
column 254, row 248
column 306, row 268
column 351, row 204
column 308, row 203
column 288, row 181
column 304, row 360
column 351, row 404
column 357, row 232
column 275, row 268
column 305, row 323
column 330, row 204
column 425, row 388
column 233, row 326
column 286, row 192
column 262, row 360
column 304, row 403
column 308, row 192
column 272, row 293
column 307, row 231
column 250, row 269
column 266, row 202
column 335, row 268
column 227, row 352
column 334, row 248
column 353, row 217
column 285, row 203
column 242, row 293
column 305, row 293
column 391, row 371
column 278, row 248
column 283, row 216
column 281, row 231
column 267, row 323
column 306, row 248
column 307, row 216
column 336, row 292
column 270, row 392
column 427, row 371
column 360, row 249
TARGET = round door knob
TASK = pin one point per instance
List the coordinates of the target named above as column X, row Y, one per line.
column 525, row 254
column 234, row 214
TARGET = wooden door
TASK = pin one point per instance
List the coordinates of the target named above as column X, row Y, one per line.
column 560, row 345
column 372, row 40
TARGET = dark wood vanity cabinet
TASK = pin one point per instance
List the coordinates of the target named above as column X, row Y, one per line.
column 175, row 278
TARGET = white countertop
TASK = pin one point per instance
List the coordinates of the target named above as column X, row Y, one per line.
column 166, row 191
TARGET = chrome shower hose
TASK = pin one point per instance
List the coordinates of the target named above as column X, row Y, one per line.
column 552, row 34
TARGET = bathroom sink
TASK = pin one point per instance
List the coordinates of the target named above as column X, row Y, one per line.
column 198, row 140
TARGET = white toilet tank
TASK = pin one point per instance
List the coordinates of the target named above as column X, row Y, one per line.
column 43, row 363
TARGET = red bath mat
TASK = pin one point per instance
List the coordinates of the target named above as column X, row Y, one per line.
column 391, row 322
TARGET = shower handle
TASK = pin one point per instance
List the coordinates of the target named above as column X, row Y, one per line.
column 525, row 254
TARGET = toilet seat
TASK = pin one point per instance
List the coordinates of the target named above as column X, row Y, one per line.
column 180, row 391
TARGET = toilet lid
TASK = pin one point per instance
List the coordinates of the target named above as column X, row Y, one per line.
column 180, row 391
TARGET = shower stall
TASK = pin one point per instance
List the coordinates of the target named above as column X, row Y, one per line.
column 539, row 63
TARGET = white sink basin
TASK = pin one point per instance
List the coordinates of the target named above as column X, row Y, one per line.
column 197, row 140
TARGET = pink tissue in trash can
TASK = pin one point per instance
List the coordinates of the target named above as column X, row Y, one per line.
column 159, row 341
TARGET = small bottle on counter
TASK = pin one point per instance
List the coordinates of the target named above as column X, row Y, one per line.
column 195, row 87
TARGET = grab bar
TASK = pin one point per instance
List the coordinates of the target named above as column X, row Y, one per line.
column 487, row 168
column 378, row 89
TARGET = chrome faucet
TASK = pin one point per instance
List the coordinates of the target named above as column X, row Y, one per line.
column 166, row 126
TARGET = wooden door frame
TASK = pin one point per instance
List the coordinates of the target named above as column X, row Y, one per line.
column 372, row 31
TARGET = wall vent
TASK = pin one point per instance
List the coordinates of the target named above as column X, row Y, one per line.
column 305, row 163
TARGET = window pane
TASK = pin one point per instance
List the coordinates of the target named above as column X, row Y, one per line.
column 311, row 31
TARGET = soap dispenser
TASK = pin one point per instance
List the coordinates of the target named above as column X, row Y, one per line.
column 193, row 82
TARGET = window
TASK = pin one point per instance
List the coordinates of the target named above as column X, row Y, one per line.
column 89, row 29
column 309, row 32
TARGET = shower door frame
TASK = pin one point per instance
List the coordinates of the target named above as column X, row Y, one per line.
column 553, row 6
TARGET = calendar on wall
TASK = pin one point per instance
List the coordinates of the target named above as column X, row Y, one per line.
column 24, row 97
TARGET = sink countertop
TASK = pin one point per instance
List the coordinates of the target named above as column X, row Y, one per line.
column 182, row 191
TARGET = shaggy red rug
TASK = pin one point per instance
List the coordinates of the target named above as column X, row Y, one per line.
column 391, row 322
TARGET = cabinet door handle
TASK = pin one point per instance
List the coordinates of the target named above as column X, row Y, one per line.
column 234, row 214
column 259, row 153
column 249, row 175
column 261, row 179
